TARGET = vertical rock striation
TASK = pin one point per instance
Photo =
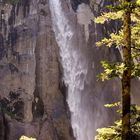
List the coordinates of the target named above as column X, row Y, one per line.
column 30, row 92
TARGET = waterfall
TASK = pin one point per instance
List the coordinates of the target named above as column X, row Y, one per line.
column 78, row 73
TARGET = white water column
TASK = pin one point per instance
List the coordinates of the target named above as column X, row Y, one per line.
column 75, row 65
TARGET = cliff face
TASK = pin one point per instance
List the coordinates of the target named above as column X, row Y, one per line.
column 31, row 93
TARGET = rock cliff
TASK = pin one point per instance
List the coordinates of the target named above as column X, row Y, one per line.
column 32, row 92
column 32, row 96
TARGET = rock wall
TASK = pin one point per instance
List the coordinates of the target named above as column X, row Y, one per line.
column 31, row 95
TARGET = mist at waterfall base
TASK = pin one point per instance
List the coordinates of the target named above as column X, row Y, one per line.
column 85, row 103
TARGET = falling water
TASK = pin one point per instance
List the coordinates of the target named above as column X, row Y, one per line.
column 78, row 73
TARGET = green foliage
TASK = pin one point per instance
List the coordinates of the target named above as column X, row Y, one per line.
column 111, row 70
column 109, row 16
column 114, row 132
column 113, row 105
column 106, row 134
column 127, row 40
column 117, row 39
column 125, row 6
column 27, row 138
column 138, row 2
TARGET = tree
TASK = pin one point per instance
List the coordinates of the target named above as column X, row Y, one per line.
column 114, row 132
column 128, row 40
column 27, row 138
column 126, row 77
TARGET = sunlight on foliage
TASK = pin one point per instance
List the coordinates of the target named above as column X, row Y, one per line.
column 128, row 43
column 112, row 105
column 106, row 134
column 117, row 40
column 109, row 16
column 27, row 138
column 111, row 70
column 138, row 2
column 114, row 132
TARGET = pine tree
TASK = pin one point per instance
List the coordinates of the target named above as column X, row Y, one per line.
column 128, row 40
column 126, row 77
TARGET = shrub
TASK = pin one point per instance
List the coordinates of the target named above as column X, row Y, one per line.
column 114, row 132
column 27, row 138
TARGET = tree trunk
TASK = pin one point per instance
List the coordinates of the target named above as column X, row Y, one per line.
column 126, row 79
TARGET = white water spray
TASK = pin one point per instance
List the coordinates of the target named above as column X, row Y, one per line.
column 75, row 65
